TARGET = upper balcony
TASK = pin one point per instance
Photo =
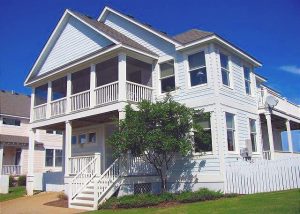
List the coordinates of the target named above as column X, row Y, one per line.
column 283, row 106
column 118, row 79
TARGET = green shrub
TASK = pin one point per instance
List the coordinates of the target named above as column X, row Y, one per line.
column 146, row 200
column 22, row 180
column 11, row 181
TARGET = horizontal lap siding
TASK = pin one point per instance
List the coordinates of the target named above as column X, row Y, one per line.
column 38, row 160
column 75, row 40
column 15, row 130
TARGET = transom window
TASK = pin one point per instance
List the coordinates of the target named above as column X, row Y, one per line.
column 252, row 124
column 82, row 138
column 247, row 80
column 167, row 76
column 225, row 69
column 197, row 68
column 53, row 157
column 203, row 140
column 92, row 137
column 11, row 121
column 230, row 131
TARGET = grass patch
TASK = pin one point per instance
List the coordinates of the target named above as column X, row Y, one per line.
column 274, row 203
column 146, row 200
column 14, row 192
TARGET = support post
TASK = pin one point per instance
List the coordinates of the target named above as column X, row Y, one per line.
column 49, row 99
column 32, row 105
column 68, row 144
column 93, row 86
column 98, row 163
column 69, row 91
column 289, row 135
column 122, row 76
column 270, row 133
column 1, row 157
column 30, row 175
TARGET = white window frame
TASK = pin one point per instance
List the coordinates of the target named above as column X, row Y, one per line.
column 160, row 78
column 246, row 80
column 230, row 79
column 234, row 130
column 255, row 133
column 200, row 67
column 11, row 125
column 54, row 157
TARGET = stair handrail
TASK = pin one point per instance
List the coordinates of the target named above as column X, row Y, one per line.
column 93, row 174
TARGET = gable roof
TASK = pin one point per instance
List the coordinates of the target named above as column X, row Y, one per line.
column 140, row 24
column 14, row 104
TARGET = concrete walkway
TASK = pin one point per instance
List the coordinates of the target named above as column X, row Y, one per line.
column 34, row 205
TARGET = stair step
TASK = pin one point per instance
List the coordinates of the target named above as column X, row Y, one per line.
column 87, row 191
column 75, row 206
column 89, row 195
column 85, row 198
column 86, row 203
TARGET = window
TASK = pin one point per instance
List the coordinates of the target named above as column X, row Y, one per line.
column 203, row 141
column 49, row 157
column 197, row 68
column 49, row 131
column 40, row 95
column 59, row 88
column 58, row 157
column 82, row 139
column 92, row 137
column 230, row 131
column 74, row 139
column 247, row 80
column 53, row 157
column 225, row 69
column 59, row 132
column 167, row 76
column 12, row 122
column 252, row 124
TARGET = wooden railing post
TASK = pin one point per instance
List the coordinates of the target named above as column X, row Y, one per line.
column 69, row 91
column 93, row 86
column 49, row 98
column 98, row 164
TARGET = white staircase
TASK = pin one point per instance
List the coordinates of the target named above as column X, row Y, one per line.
column 89, row 188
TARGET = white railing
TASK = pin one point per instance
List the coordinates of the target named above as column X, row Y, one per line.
column 137, row 92
column 139, row 166
column 107, row 93
column 58, row 107
column 39, row 112
column 267, row 155
column 77, row 164
column 263, row 176
column 80, row 100
column 85, row 176
column 11, row 170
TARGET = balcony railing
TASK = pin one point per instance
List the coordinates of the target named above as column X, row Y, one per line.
column 102, row 95
column 107, row 93
column 58, row 107
column 11, row 170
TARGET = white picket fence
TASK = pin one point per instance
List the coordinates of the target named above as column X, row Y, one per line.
column 262, row 176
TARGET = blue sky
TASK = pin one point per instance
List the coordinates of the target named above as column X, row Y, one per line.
column 268, row 30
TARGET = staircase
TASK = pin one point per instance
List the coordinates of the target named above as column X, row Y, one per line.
column 89, row 188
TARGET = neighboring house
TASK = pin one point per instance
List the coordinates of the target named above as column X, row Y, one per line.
column 14, row 139
column 90, row 69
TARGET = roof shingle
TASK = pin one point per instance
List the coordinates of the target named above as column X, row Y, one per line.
column 191, row 36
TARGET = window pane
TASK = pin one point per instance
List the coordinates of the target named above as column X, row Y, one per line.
column 224, row 61
column 40, row 95
column 253, row 142
column 10, row 121
column 225, row 77
column 81, row 81
column 196, row 60
column 203, row 142
column 59, row 88
column 107, row 71
column 82, row 138
column 247, row 86
column 59, row 132
column 198, row 77
column 92, row 137
column 74, row 139
column 247, row 73
column 230, row 140
column 230, row 121
column 166, row 69
column 252, row 125
column 49, row 157
column 49, row 131
column 168, row 84
column 58, row 157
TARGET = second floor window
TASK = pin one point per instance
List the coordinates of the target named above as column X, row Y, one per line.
column 12, row 122
column 252, row 124
column 203, row 141
column 230, row 131
column 167, row 76
column 247, row 80
column 225, row 69
column 197, row 68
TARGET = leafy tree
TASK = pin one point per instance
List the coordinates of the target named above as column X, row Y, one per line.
column 157, row 132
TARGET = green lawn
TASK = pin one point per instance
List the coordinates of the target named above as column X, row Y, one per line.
column 277, row 202
column 14, row 192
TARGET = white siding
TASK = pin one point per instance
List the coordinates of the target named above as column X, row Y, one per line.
column 75, row 40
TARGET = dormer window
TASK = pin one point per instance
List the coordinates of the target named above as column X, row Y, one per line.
column 167, row 76
column 197, row 68
column 247, row 80
column 225, row 69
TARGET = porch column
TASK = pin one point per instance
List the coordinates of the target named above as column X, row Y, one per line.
column 1, row 157
column 289, row 135
column 122, row 76
column 32, row 104
column 270, row 133
column 93, row 86
column 68, row 139
column 49, row 99
column 30, row 175
column 69, row 91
